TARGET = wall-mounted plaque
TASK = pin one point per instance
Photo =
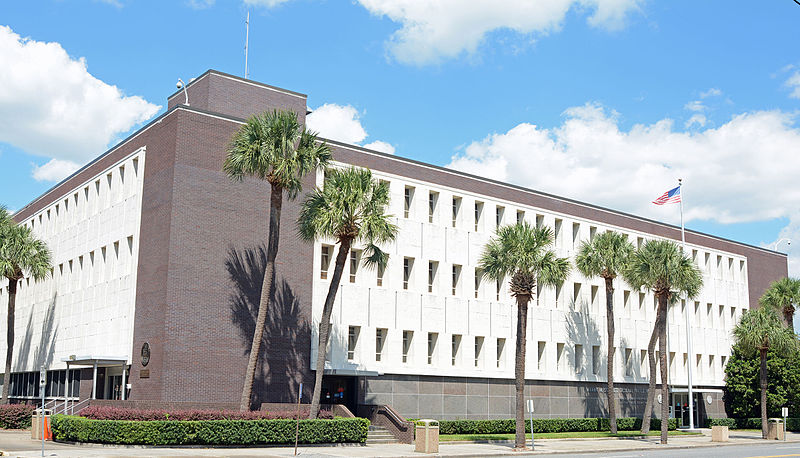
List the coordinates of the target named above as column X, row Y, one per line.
column 145, row 353
column 144, row 373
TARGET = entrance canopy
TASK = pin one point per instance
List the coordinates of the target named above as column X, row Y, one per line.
column 95, row 361
column 696, row 390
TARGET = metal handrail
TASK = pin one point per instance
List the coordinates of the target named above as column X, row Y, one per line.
column 394, row 415
column 78, row 405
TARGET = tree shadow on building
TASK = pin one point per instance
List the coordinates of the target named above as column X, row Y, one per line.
column 582, row 328
column 281, row 365
column 43, row 354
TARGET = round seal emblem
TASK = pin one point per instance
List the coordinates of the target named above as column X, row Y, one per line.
column 145, row 354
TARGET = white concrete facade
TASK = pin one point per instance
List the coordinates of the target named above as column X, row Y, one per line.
column 567, row 329
column 86, row 306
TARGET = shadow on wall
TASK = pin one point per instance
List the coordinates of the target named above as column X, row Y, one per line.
column 43, row 355
column 280, row 366
column 581, row 327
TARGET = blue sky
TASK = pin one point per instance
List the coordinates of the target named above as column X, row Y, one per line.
column 608, row 101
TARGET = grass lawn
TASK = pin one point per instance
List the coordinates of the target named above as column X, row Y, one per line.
column 483, row 437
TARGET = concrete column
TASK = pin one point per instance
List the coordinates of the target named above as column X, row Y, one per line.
column 94, row 381
column 124, row 381
column 66, row 390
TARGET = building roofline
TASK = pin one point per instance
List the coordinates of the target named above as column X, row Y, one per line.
column 211, row 71
column 407, row 160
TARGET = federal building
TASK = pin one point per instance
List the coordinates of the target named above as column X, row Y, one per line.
column 158, row 259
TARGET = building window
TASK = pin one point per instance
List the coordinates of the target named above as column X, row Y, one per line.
column 352, row 341
column 408, row 336
column 641, row 302
column 576, row 294
column 540, row 361
column 325, row 261
column 558, row 295
column 456, row 210
column 643, row 363
column 381, row 271
column 595, row 302
column 498, row 216
column 628, row 362
column 699, row 366
column 626, row 302
column 595, row 359
column 355, row 257
column 408, row 265
column 592, row 232
column 477, row 282
column 539, row 221
column 501, row 352
column 576, row 233
column 499, row 286
column 520, row 216
column 560, row 357
column 433, row 337
column 578, row 358
column 558, row 237
column 722, row 316
column 478, row 351
column 456, row 278
column 455, row 348
column 433, row 267
column 408, row 198
column 639, row 242
column 478, row 214
column 433, row 199
column 380, row 339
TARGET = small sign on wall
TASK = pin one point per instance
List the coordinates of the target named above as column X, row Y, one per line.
column 144, row 373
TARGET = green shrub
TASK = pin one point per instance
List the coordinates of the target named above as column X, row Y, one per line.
column 792, row 424
column 729, row 422
column 15, row 416
column 208, row 432
column 545, row 425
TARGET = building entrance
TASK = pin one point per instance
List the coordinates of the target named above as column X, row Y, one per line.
column 680, row 406
column 340, row 390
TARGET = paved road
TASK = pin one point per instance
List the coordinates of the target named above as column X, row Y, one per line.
column 770, row 450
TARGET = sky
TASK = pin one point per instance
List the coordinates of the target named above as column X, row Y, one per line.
column 606, row 101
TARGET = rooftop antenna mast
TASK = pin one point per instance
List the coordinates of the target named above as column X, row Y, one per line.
column 246, row 42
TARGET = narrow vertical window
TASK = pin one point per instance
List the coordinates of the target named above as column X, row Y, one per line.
column 433, row 266
column 628, row 362
column 576, row 294
column 381, row 271
column 456, row 278
column 433, row 337
column 408, row 264
column 576, row 234
column 539, row 221
column 455, row 346
column 578, row 358
column 325, row 261
column 595, row 359
column 456, row 210
column 478, row 351
column 380, row 340
column 520, row 216
column 408, row 336
column 501, row 352
column 498, row 216
column 355, row 256
column 595, row 298
column 499, row 286
column 592, row 232
column 477, row 282
column 433, row 199
column 352, row 341
column 639, row 242
column 408, row 197
column 643, row 364
column 558, row 237
column 478, row 214
column 560, row 357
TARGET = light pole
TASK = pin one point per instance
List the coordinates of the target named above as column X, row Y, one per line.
column 182, row 85
column 788, row 243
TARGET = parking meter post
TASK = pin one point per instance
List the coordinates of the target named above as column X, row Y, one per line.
column 530, row 409
column 42, row 385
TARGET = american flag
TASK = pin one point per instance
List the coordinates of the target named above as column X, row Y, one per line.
column 673, row 196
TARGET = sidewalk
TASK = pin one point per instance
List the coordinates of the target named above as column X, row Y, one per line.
column 18, row 443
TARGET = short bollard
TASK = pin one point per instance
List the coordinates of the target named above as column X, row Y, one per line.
column 427, row 436
column 719, row 434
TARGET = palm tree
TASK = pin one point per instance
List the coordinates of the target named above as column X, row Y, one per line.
column 275, row 147
column 523, row 253
column 783, row 296
column 350, row 209
column 661, row 266
column 606, row 256
column 21, row 255
column 759, row 331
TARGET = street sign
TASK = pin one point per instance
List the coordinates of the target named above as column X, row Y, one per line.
column 530, row 405
column 42, row 377
column 784, row 412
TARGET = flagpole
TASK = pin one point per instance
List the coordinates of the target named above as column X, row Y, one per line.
column 689, row 350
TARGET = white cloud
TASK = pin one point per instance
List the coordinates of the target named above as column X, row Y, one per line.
column 696, row 118
column 264, row 3
column 343, row 123
column 743, row 170
column 51, row 106
column 713, row 92
column 793, row 83
column 381, row 146
column 200, row 4
column 337, row 122
column 54, row 170
column 694, row 105
column 439, row 29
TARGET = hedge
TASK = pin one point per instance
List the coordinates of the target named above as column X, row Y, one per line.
column 121, row 413
column 16, row 416
column 545, row 425
column 208, row 432
column 792, row 424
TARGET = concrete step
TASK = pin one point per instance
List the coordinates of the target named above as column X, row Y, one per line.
column 380, row 435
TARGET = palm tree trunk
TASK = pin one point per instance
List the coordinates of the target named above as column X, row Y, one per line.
column 662, row 348
column 612, row 407
column 12, row 301
column 519, row 373
column 788, row 315
column 325, row 324
column 763, row 377
column 267, row 290
column 651, row 388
